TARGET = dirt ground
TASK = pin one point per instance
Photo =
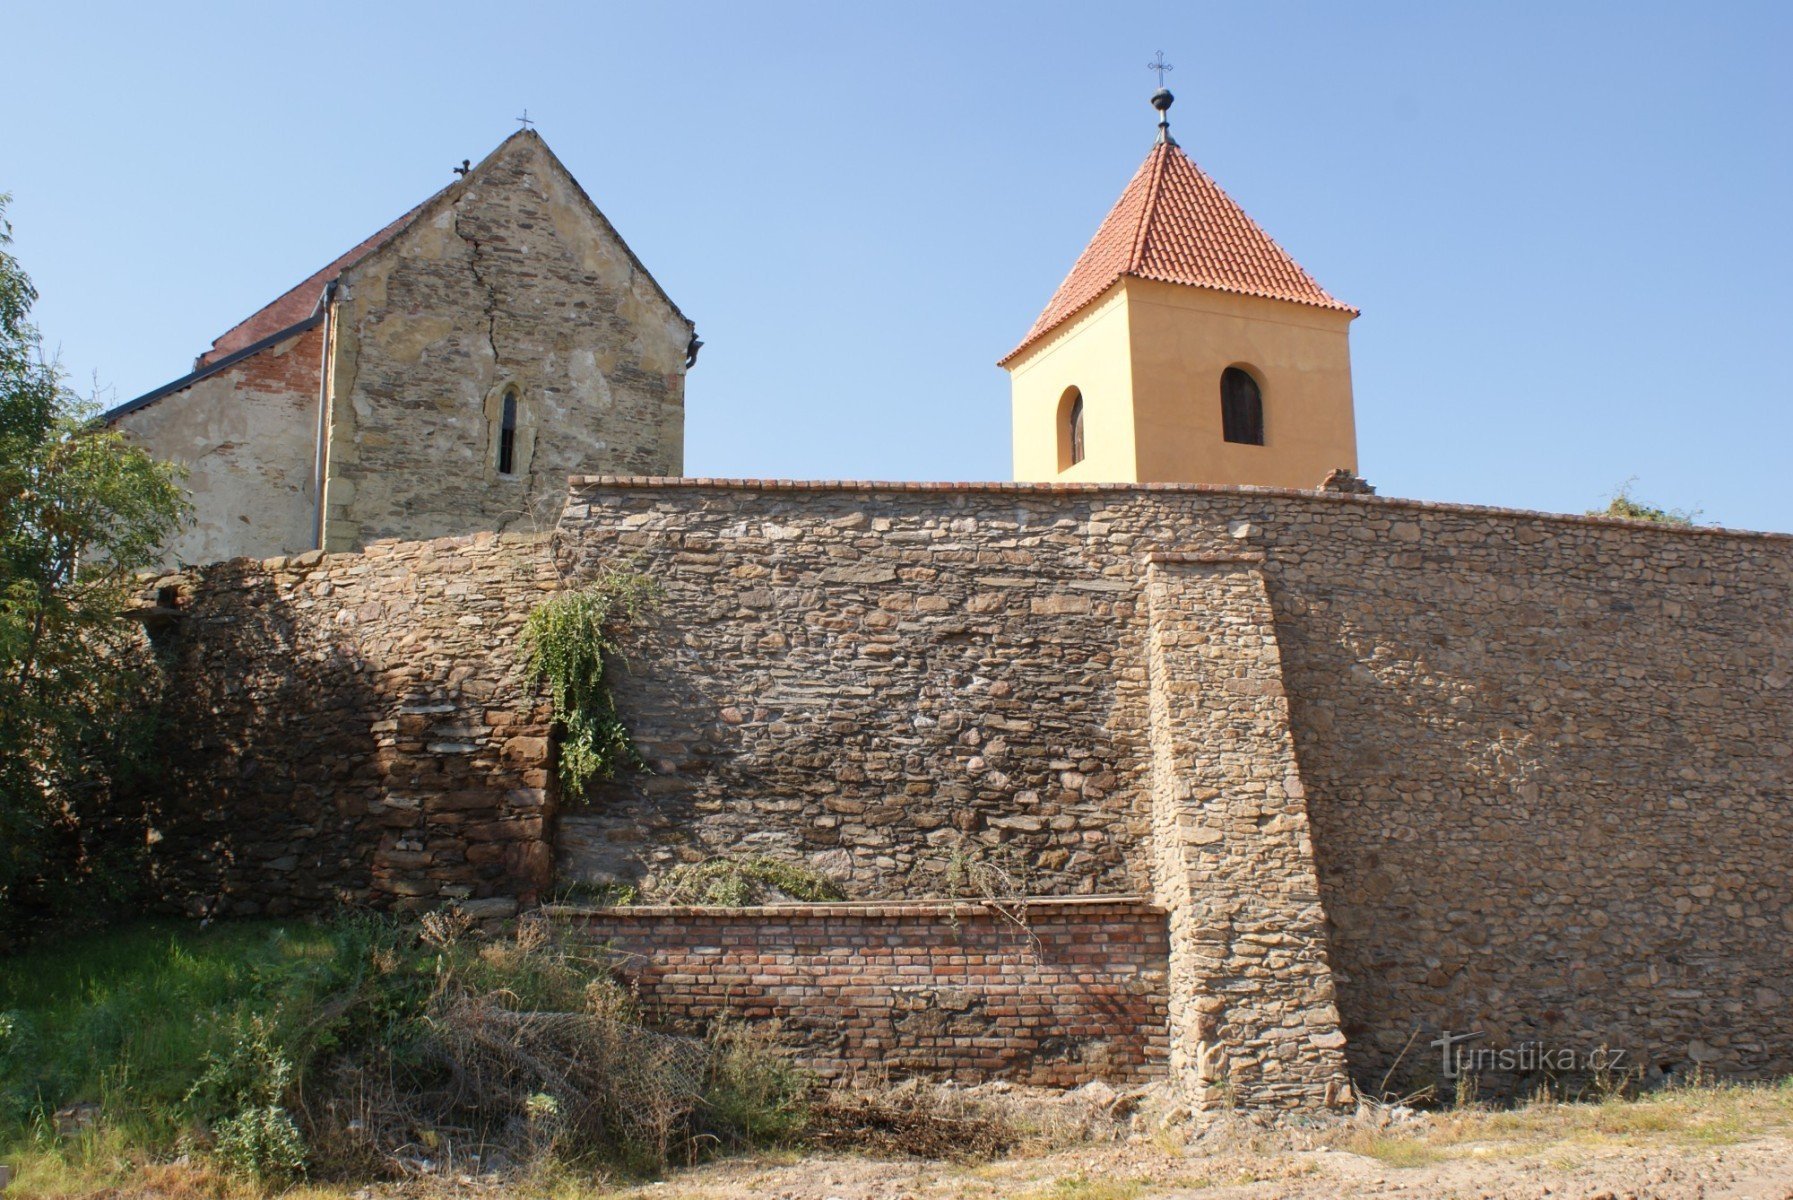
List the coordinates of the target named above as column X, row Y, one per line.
column 1724, row 1142
column 1713, row 1143
column 1758, row 1169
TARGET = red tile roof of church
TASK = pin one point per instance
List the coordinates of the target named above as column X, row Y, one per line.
column 296, row 303
column 1174, row 224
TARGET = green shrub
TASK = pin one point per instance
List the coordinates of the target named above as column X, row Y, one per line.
column 262, row 1142
column 1624, row 504
column 754, row 1095
column 331, row 1050
column 569, row 643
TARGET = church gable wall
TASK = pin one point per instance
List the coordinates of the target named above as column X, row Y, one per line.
column 510, row 279
column 247, row 436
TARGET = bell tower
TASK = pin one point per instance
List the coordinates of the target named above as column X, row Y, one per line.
column 1185, row 346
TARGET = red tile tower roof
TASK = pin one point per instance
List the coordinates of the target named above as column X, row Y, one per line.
column 1174, row 224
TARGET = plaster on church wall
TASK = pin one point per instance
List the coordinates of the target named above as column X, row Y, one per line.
column 1089, row 353
column 509, row 279
column 1148, row 359
column 247, row 436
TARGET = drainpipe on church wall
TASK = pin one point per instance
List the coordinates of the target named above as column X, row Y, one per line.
column 320, row 462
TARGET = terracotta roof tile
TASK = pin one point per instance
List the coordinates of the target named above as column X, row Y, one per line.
column 297, row 303
column 1174, row 224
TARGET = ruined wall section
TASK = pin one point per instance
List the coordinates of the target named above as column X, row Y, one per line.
column 247, row 436
column 511, row 278
column 353, row 728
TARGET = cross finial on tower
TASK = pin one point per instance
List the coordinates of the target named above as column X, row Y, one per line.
column 524, row 120
column 1162, row 99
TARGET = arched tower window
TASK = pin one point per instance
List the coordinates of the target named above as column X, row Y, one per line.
column 507, row 433
column 1241, row 408
column 1070, row 428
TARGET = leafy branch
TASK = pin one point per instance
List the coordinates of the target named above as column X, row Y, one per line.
column 570, row 643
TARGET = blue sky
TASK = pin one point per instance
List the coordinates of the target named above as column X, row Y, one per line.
column 1567, row 224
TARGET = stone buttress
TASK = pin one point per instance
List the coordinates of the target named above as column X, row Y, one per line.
column 1253, row 1015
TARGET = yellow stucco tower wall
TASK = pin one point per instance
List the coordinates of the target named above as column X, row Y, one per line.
column 1147, row 361
column 1178, row 287
column 1182, row 339
column 1094, row 355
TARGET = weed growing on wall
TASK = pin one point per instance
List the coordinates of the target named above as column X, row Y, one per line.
column 1624, row 504
column 737, row 882
column 570, row 642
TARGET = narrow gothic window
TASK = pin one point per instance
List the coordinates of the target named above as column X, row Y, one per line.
column 507, row 434
column 1070, row 429
column 1241, row 408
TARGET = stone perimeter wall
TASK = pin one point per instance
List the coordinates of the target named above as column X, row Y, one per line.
column 352, row 728
column 1053, row 993
column 1542, row 763
column 1547, row 762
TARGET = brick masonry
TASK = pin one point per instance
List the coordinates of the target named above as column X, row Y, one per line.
column 1543, row 763
column 1052, row 993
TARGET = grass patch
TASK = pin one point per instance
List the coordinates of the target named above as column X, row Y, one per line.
column 1083, row 1187
column 1396, row 1150
column 126, row 1019
column 255, row 1054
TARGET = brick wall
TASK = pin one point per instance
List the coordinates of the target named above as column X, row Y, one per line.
column 1053, row 993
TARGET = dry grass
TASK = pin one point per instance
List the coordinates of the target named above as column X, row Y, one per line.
column 1713, row 1115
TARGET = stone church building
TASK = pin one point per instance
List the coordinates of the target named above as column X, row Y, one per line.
column 445, row 375
column 449, row 373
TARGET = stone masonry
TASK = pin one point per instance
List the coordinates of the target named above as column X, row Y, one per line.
column 1251, row 989
column 383, row 377
column 1539, row 766
column 352, row 728
column 511, row 276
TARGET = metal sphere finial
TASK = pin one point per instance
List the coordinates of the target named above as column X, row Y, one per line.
column 1162, row 99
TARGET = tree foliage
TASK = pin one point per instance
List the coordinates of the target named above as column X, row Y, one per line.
column 81, row 511
column 569, row 643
